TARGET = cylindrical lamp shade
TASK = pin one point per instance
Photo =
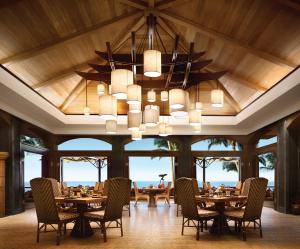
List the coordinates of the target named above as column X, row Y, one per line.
column 111, row 126
column 101, row 89
column 134, row 120
column 108, row 107
column 162, row 129
column 217, row 98
column 194, row 117
column 136, row 135
column 176, row 98
column 151, row 96
column 86, row 111
column 151, row 115
column 120, row 79
column 198, row 129
column 152, row 63
column 142, row 128
column 169, row 130
column 164, row 96
column 134, row 94
column 135, row 107
column 181, row 112
column 199, row 106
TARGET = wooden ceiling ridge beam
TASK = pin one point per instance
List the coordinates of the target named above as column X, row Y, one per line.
column 188, row 66
column 290, row 3
column 167, row 4
column 68, row 38
column 134, row 3
column 237, row 79
column 174, row 57
column 226, row 39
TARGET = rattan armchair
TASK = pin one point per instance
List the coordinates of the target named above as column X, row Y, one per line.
column 117, row 190
column 191, row 213
column 138, row 195
column 46, row 210
column 252, row 210
column 165, row 195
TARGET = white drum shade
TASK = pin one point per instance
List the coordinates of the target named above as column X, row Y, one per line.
column 134, row 94
column 169, row 130
column 194, row 117
column 177, row 98
column 136, row 135
column 135, row 107
column 86, row 111
column 164, row 96
column 134, row 120
column 151, row 96
column 120, row 79
column 142, row 128
column 152, row 63
column 101, row 89
column 111, row 126
column 181, row 112
column 162, row 129
column 151, row 115
column 217, row 98
column 198, row 129
column 199, row 106
column 108, row 107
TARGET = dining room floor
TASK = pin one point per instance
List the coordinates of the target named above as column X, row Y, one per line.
column 153, row 228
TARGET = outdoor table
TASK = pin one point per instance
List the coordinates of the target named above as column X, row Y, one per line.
column 152, row 192
column 220, row 203
column 82, row 227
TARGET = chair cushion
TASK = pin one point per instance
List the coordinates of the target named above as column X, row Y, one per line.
column 67, row 216
column 95, row 214
column 207, row 213
column 239, row 214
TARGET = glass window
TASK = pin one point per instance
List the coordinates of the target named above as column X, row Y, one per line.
column 33, row 141
column 267, row 164
column 266, row 141
column 217, row 144
column 85, row 144
column 152, row 144
column 32, row 168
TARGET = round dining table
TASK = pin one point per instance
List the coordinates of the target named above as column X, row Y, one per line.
column 152, row 192
column 82, row 227
column 219, row 205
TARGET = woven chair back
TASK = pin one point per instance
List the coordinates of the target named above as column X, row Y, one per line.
column 256, row 197
column 43, row 196
column 116, row 197
column 186, row 198
column 195, row 186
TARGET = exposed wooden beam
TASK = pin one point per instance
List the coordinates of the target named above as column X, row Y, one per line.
column 151, row 3
column 79, row 88
column 290, row 3
column 134, row 3
column 237, row 79
column 167, row 4
column 8, row 3
column 69, row 38
column 188, row 66
column 110, row 58
column 174, row 57
column 133, row 55
column 226, row 39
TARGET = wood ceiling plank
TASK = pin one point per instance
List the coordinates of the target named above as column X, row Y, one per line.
column 134, row 3
column 167, row 4
column 290, row 3
column 174, row 57
column 226, row 39
column 69, row 38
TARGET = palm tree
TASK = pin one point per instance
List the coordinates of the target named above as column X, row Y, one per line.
column 166, row 145
column 267, row 161
column 224, row 141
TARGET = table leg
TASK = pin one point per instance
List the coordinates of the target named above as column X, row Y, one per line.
column 82, row 227
column 152, row 200
column 221, row 222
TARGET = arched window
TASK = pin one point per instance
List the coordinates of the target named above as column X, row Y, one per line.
column 217, row 144
column 84, row 144
column 152, row 144
column 266, row 141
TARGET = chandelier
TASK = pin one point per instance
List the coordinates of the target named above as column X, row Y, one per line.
column 125, row 77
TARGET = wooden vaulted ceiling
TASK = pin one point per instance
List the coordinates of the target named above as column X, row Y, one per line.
column 44, row 42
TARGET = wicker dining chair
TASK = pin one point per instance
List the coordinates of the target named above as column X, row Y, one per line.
column 165, row 195
column 46, row 210
column 138, row 195
column 126, row 206
column 191, row 213
column 252, row 210
column 117, row 190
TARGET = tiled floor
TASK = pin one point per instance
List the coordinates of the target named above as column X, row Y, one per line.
column 153, row 228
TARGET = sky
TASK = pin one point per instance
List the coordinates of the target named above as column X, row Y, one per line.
column 140, row 168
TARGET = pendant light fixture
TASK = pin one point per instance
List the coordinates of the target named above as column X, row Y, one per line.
column 177, row 98
column 120, row 79
column 136, row 135
column 181, row 112
column 151, row 96
column 169, row 129
column 152, row 57
column 162, row 127
column 134, row 120
column 151, row 115
column 111, row 126
column 194, row 117
column 164, row 96
column 198, row 104
column 217, row 97
column 108, row 107
column 86, row 109
column 134, row 94
column 135, row 107
column 198, row 129
column 142, row 128
column 101, row 88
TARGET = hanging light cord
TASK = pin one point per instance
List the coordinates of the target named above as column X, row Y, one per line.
column 86, row 101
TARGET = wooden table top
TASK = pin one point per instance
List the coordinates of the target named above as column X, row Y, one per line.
column 80, row 200
column 221, row 198
column 154, row 189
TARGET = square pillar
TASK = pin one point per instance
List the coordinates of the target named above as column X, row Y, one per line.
column 3, row 157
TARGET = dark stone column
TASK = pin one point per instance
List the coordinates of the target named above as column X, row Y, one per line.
column 185, row 160
column 116, row 167
column 249, row 167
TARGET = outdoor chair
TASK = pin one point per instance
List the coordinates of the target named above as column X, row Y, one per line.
column 191, row 213
column 138, row 195
column 46, row 208
column 117, row 190
column 165, row 195
column 253, row 207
